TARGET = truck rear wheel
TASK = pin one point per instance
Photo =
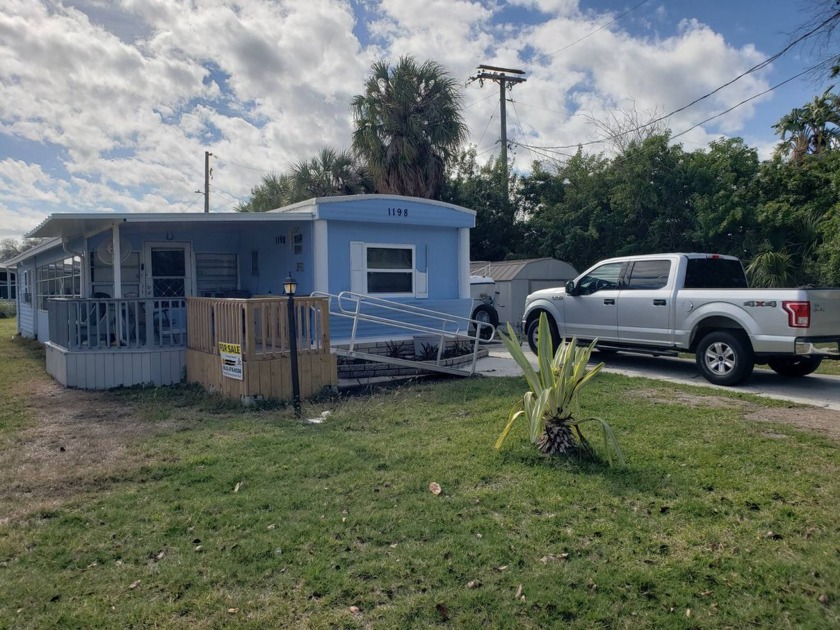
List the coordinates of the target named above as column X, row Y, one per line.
column 794, row 366
column 533, row 334
column 724, row 358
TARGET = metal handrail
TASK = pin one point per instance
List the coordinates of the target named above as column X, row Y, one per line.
column 445, row 320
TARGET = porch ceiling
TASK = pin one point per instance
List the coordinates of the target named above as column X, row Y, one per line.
column 70, row 226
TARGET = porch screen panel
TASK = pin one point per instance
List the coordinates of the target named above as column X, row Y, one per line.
column 59, row 279
column 216, row 273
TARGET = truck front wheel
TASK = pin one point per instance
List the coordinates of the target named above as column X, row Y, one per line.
column 724, row 358
column 794, row 366
column 533, row 334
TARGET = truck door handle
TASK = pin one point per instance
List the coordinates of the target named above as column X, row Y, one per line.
column 609, row 301
column 659, row 302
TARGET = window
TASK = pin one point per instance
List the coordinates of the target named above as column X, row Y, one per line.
column 59, row 279
column 389, row 269
column 7, row 285
column 102, row 275
column 714, row 273
column 217, row 273
column 26, row 287
column 602, row 278
column 649, row 274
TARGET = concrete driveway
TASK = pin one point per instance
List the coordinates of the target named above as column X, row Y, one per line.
column 818, row 390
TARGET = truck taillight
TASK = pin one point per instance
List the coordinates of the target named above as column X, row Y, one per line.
column 799, row 314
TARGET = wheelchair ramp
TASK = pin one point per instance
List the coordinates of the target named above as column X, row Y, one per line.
column 444, row 327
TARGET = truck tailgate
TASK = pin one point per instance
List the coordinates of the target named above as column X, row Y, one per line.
column 825, row 312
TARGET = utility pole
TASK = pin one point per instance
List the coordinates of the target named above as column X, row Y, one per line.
column 207, row 173
column 506, row 78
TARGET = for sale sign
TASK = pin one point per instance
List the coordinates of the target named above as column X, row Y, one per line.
column 231, row 354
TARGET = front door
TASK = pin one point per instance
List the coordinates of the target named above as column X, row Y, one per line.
column 168, row 270
column 168, row 276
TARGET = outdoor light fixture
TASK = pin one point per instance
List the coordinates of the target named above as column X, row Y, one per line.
column 290, row 286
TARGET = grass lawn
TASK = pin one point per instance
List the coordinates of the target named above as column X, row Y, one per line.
column 212, row 516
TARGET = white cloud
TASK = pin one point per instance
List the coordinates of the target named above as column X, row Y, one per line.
column 121, row 99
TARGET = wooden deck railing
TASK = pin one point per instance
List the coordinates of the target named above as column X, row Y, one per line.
column 259, row 325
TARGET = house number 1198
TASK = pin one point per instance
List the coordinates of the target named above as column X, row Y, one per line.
column 397, row 212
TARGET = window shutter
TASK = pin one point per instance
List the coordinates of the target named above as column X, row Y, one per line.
column 357, row 267
column 421, row 281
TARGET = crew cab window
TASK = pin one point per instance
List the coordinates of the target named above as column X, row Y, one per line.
column 714, row 273
column 649, row 274
column 601, row 278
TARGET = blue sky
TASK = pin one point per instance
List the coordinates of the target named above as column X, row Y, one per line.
column 109, row 105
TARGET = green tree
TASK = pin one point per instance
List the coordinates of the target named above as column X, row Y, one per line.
column 330, row 174
column 408, row 126
column 797, row 203
column 650, row 196
column 326, row 175
column 810, row 129
column 568, row 211
column 496, row 235
column 724, row 197
column 274, row 191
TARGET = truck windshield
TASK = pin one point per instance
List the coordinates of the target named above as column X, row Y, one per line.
column 714, row 273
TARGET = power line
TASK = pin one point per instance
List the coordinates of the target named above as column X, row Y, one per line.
column 481, row 100
column 250, row 168
column 755, row 68
column 601, row 28
column 225, row 194
column 487, row 126
column 194, row 201
column 755, row 96
column 521, row 126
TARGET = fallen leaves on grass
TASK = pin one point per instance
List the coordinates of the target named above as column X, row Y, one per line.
column 435, row 488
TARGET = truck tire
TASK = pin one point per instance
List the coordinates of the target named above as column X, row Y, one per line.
column 486, row 314
column 794, row 366
column 724, row 358
column 532, row 334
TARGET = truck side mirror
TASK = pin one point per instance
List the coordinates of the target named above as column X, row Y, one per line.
column 571, row 289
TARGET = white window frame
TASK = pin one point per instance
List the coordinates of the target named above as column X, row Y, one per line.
column 412, row 270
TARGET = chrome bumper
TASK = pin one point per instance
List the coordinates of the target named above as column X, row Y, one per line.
column 826, row 348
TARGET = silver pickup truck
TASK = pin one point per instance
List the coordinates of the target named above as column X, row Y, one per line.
column 668, row 303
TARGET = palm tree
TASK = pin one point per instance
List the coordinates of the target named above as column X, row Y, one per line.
column 329, row 174
column 274, row 191
column 325, row 175
column 810, row 129
column 408, row 126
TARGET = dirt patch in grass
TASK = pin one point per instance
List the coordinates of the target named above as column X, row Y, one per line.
column 823, row 421
column 79, row 442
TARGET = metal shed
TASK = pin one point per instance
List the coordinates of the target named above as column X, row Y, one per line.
column 515, row 279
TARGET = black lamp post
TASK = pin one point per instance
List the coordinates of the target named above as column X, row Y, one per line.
column 290, row 286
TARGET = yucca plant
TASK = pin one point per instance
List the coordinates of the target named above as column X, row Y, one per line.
column 551, row 407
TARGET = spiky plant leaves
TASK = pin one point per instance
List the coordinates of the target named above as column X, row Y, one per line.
column 552, row 402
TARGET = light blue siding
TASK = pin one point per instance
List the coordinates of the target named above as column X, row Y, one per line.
column 436, row 251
